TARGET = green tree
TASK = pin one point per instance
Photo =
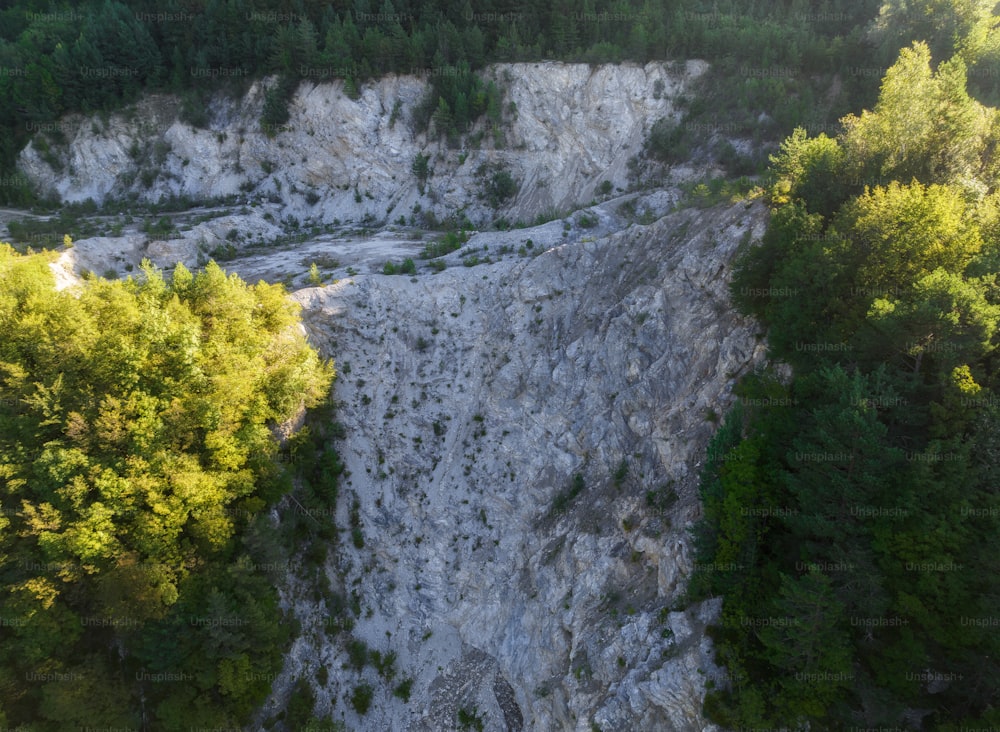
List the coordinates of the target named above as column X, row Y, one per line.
column 275, row 112
column 891, row 141
column 442, row 118
column 810, row 169
column 945, row 319
column 964, row 27
column 898, row 233
column 808, row 641
column 924, row 126
column 884, row 462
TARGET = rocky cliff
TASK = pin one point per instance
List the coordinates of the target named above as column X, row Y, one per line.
column 567, row 129
column 524, row 433
column 473, row 399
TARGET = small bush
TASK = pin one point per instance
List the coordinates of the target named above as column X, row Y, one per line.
column 300, row 705
column 397, row 109
column 385, row 664
column 450, row 242
column 402, row 691
column 361, row 698
column 194, row 110
column 468, row 719
column 566, row 496
column 357, row 653
column 496, row 185
column 621, row 473
column 224, row 253
column 162, row 228
column 665, row 142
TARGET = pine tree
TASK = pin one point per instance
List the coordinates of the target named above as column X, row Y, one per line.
column 336, row 49
column 307, row 53
column 442, row 118
column 461, row 115
column 808, row 641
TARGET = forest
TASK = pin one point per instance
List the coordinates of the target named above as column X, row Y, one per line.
column 852, row 511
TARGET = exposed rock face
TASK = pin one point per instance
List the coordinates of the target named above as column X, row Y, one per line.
column 596, row 347
column 471, row 399
column 570, row 128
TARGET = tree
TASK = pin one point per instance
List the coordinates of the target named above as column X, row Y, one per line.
column 899, row 233
column 945, row 319
column 336, row 49
column 810, row 169
column 275, row 112
column 947, row 26
column 307, row 50
column 421, row 170
column 891, row 141
column 885, row 463
column 82, row 694
column 461, row 112
column 924, row 126
column 957, row 142
column 442, row 118
column 129, row 53
column 808, row 641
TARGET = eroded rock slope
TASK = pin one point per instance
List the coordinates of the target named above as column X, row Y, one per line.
column 509, row 587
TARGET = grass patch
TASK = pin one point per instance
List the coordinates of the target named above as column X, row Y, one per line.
column 714, row 191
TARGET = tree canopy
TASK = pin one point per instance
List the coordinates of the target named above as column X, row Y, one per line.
column 872, row 573
column 136, row 440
